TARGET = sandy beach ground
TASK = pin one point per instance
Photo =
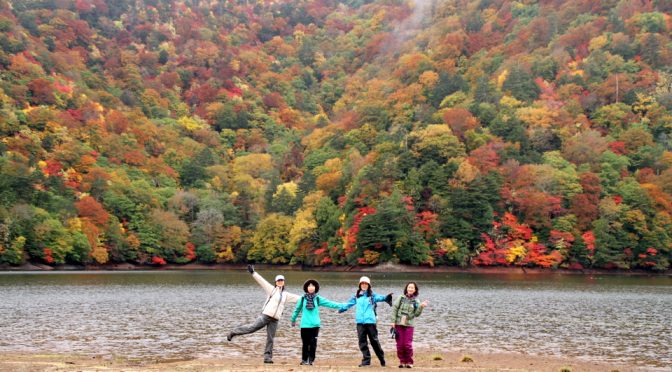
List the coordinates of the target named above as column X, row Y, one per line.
column 424, row 361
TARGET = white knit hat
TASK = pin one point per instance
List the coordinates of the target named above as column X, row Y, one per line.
column 365, row 279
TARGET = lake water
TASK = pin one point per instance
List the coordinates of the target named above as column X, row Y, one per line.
column 187, row 314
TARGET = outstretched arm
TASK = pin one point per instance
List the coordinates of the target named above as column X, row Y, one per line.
column 381, row 298
column 326, row 303
column 348, row 304
column 291, row 297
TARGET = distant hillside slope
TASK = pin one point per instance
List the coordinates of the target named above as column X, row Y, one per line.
column 454, row 132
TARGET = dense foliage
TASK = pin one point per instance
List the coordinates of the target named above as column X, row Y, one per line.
column 324, row 132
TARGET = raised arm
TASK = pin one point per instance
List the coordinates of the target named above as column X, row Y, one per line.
column 266, row 286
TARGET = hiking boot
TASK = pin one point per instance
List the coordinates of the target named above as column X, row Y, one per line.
column 229, row 337
column 304, row 363
column 363, row 365
column 268, row 361
column 409, row 366
column 401, row 366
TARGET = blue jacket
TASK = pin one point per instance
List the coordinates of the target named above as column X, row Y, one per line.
column 364, row 313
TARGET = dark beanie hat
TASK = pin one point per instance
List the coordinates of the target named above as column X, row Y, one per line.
column 313, row 282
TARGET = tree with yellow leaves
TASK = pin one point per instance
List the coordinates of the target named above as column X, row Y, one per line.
column 436, row 142
column 270, row 243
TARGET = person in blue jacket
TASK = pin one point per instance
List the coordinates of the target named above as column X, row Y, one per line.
column 309, row 305
column 365, row 316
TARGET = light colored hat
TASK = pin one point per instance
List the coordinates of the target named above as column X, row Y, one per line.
column 279, row 277
column 365, row 279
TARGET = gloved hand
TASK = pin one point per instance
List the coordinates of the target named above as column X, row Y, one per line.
column 250, row 268
column 388, row 299
column 293, row 324
column 340, row 311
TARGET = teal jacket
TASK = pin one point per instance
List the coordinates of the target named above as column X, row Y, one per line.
column 365, row 312
column 311, row 318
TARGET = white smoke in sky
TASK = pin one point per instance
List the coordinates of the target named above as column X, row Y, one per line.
column 421, row 14
column 419, row 19
column 408, row 28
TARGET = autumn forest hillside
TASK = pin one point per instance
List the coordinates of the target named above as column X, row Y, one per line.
column 324, row 132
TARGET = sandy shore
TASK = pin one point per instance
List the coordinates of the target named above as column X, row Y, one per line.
column 435, row 361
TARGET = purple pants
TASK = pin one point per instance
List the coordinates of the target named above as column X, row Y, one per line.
column 404, row 344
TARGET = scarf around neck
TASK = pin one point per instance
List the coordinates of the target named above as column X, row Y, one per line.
column 310, row 300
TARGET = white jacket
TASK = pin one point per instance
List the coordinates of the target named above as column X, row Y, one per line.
column 275, row 302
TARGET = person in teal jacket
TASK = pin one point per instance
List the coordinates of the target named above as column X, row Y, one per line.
column 309, row 307
column 365, row 317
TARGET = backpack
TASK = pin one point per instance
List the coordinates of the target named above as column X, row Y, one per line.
column 374, row 305
column 414, row 301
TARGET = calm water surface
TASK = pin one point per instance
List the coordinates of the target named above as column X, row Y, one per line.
column 168, row 315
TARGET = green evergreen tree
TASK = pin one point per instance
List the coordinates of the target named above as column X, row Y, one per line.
column 81, row 249
column 521, row 84
column 610, row 243
column 447, row 85
column 391, row 232
column 486, row 92
column 326, row 216
column 469, row 211
column 578, row 253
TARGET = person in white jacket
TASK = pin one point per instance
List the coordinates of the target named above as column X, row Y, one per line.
column 270, row 313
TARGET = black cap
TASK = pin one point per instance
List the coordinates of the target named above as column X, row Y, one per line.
column 313, row 282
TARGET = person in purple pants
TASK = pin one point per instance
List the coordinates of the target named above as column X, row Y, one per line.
column 405, row 309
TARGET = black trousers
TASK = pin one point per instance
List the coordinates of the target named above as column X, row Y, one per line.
column 309, row 338
column 370, row 331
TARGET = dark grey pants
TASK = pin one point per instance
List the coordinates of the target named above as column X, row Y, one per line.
column 370, row 331
column 271, row 325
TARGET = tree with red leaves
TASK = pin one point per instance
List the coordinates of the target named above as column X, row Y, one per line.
column 90, row 209
column 41, row 92
column 512, row 243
